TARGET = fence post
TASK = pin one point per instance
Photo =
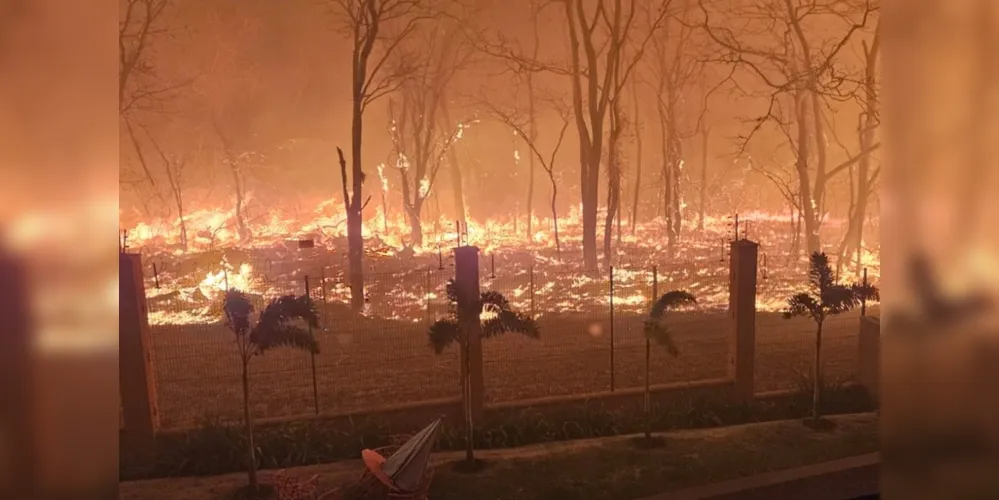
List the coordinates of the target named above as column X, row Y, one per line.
column 742, row 317
column 19, row 421
column 312, row 355
column 869, row 354
column 466, row 281
column 611, row 273
column 533, row 313
column 648, row 344
column 135, row 366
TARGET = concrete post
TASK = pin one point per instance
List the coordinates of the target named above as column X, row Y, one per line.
column 466, row 273
column 742, row 317
column 135, row 370
column 869, row 355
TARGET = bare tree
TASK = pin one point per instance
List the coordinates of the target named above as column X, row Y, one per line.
column 384, row 24
column 140, row 88
column 595, row 57
column 238, row 162
column 173, row 167
column 638, row 154
column 863, row 180
column 421, row 143
column 520, row 121
column 678, row 75
column 780, row 48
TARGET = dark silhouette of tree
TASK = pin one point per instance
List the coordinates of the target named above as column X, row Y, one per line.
column 274, row 327
column 656, row 329
column 826, row 298
column 370, row 25
column 799, row 67
column 522, row 122
column 497, row 317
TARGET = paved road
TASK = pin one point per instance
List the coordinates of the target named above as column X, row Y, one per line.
column 847, row 479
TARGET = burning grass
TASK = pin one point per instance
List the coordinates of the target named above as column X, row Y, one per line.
column 382, row 356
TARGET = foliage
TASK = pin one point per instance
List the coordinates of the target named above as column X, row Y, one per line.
column 275, row 326
column 655, row 325
column 217, row 448
column 826, row 297
column 497, row 318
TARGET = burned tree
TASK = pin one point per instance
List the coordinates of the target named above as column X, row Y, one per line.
column 863, row 178
column 370, row 24
column 595, row 57
column 421, row 144
column 173, row 167
column 521, row 124
column 798, row 68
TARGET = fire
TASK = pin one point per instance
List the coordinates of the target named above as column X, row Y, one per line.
column 215, row 284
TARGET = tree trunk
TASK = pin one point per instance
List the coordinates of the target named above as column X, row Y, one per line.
column 457, row 184
column 702, row 203
column 530, row 165
column 809, row 208
column 817, row 373
column 183, row 225
column 415, row 227
column 558, row 244
column 590, row 201
column 638, row 159
column 251, row 464
column 853, row 240
column 355, row 234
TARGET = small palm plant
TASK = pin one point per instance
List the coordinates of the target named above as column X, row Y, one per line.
column 657, row 330
column 826, row 298
column 275, row 326
column 497, row 318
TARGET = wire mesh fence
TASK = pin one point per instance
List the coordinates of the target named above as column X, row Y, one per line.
column 591, row 339
column 369, row 360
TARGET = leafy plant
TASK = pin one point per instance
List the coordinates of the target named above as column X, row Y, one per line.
column 656, row 329
column 274, row 327
column 826, row 298
column 497, row 318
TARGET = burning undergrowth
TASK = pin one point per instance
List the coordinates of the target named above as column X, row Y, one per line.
column 408, row 284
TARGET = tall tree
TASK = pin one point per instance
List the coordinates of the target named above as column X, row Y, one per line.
column 782, row 48
column 420, row 141
column 520, row 122
column 595, row 57
column 370, row 24
column 678, row 75
column 863, row 179
column 140, row 88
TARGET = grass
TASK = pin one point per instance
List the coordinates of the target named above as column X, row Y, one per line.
column 367, row 363
column 606, row 468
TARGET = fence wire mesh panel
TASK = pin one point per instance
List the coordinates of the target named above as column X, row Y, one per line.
column 384, row 357
column 700, row 332
column 572, row 355
column 377, row 359
column 785, row 350
column 197, row 363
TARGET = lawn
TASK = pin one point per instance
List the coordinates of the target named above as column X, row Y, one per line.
column 366, row 363
column 605, row 468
